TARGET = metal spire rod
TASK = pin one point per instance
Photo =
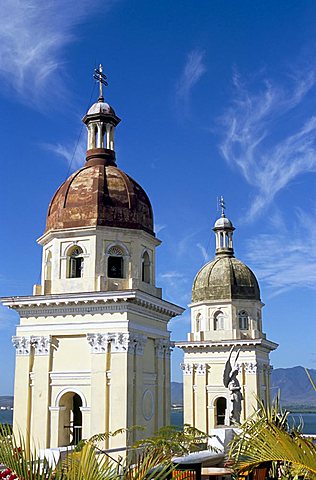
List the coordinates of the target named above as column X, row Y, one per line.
column 221, row 204
column 102, row 79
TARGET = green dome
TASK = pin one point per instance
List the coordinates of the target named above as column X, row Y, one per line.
column 225, row 278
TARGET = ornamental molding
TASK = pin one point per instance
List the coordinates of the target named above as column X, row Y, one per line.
column 201, row 368
column 198, row 368
column 163, row 347
column 40, row 344
column 253, row 368
column 72, row 304
column 22, row 345
column 98, row 342
column 249, row 367
column 187, row 368
column 117, row 342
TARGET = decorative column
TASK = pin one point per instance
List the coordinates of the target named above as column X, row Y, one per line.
column 100, row 356
column 22, row 389
column 41, row 389
column 136, row 374
column 163, row 402
column 188, row 393
column 200, row 405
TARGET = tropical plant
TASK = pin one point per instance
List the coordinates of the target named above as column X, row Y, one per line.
column 266, row 439
column 90, row 463
column 175, row 441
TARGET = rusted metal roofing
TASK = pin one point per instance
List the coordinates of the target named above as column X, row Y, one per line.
column 100, row 194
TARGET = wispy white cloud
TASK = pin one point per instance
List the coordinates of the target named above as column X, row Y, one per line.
column 286, row 260
column 267, row 160
column 176, row 286
column 33, row 37
column 74, row 153
column 193, row 70
column 159, row 227
column 204, row 252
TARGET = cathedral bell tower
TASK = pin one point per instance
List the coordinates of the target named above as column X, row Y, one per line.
column 92, row 346
column 226, row 323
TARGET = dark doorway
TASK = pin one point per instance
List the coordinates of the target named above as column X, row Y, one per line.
column 220, row 411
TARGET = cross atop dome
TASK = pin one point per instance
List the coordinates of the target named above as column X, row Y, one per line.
column 221, row 204
column 102, row 79
column 223, row 229
column 101, row 121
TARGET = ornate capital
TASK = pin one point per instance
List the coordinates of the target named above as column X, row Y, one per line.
column 22, row 345
column 251, row 368
column 201, row 368
column 120, row 342
column 139, row 342
column 163, row 347
column 41, row 344
column 187, row 368
column 98, row 342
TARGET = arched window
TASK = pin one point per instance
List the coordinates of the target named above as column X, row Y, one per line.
column 219, row 320
column 115, row 262
column 220, row 411
column 146, row 268
column 48, row 266
column 75, row 263
column 198, row 322
column 243, row 320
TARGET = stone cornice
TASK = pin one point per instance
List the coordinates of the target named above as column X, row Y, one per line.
column 201, row 345
column 73, row 303
column 65, row 233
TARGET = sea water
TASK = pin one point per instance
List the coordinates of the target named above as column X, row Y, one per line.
column 306, row 420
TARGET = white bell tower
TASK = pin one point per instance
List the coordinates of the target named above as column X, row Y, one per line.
column 93, row 346
column 225, row 313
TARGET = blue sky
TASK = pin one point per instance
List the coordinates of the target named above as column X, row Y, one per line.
column 216, row 98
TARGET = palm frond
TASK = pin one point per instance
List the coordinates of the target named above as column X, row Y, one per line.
column 265, row 437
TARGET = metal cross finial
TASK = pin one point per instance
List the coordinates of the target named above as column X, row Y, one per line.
column 221, row 204
column 101, row 78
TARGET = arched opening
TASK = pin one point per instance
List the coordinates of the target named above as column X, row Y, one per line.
column 48, row 273
column 219, row 320
column 70, row 420
column 198, row 322
column 146, row 268
column 115, row 262
column 75, row 262
column 220, row 411
column 48, row 266
column 243, row 320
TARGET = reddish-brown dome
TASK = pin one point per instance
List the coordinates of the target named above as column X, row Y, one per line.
column 100, row 194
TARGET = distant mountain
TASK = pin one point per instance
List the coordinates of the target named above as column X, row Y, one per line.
column 293, row 384
column 177, row 393
column 6, row 401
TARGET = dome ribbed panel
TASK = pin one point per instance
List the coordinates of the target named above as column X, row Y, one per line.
column 225, row 278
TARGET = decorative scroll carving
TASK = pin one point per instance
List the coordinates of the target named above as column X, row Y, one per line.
column 139, row 342
column 98, row 342
column 201, row 368
column 119, row 342
column 251, row 368
column 187, row 368
column 22, row 345
column 41, row 344
column 163, row 347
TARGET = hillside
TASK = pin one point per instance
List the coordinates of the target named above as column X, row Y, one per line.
column 293, row 384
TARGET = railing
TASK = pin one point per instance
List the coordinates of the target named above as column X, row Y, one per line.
column 75, row 431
